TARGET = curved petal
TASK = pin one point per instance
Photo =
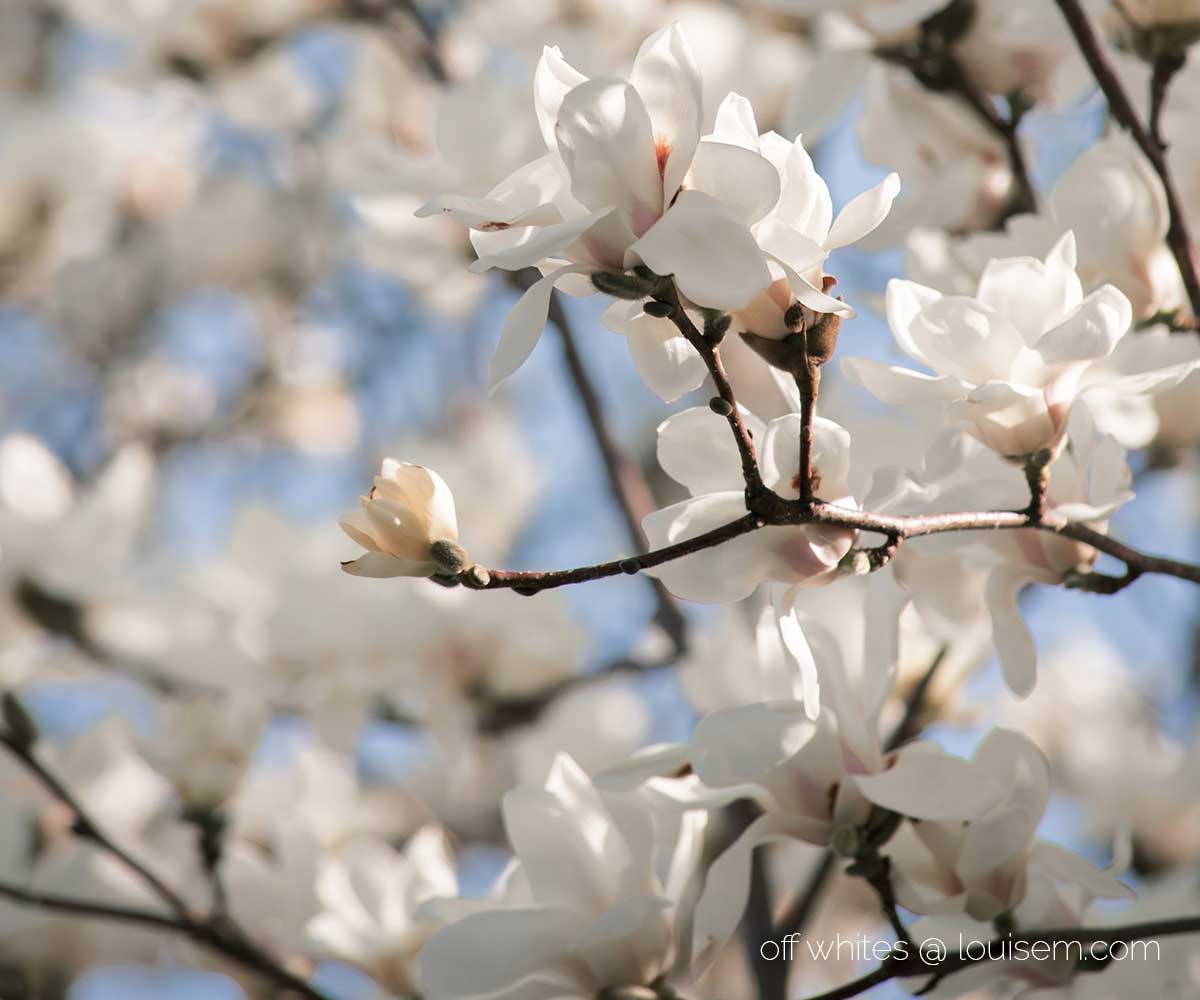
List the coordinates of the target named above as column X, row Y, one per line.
column 904, row 302
column 523, row 327
column 526, row 196
column 735, row 123
column 696, row 449
column 1091, row 331
column 719, row 575
column 804, row 205
column 378, row 566
column 1031, row 294
column 1014, row 642
column 902, row 386
column 668, row 364
column 797, row 646
column 927, row 784
column 739, row 178
column 863, row 214
column 779, row 456
column 666, row 76
column 607, row 143
column 527, row 246
column 553, row 79
column 715, row 260
column 743, row 745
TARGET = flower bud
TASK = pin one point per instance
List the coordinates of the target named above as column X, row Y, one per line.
column 630, row 286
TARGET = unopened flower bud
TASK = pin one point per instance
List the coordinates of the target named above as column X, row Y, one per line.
column 720, row 406
column 659, row 310
column 450, row 557
column 479, row 576
column 630, row 286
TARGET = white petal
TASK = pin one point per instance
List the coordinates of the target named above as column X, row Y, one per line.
column 797, row 646
column 790, row 246
column 665, row 74
column 905, row 300
column 1091, row 331
column 696, row 449
column 739, row 178
column 1014, row 642
column 527, row 246
column 1033, row 295
column 484, row 953
column 1066, row 866
column 735, row 123
column 714, row 259
column 668, row 364
column 930, row 785
column 746, row 744
column 379, row 566
column 524, row 197
column 552, row 81
column 864, row 213
column 523, row 327
column 607, row 142
column 805, row 204
column 902, row 386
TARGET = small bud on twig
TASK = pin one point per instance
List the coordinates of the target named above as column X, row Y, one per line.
column 659, row 310
column 450, row 557
column 631, row 567
column 720, row 406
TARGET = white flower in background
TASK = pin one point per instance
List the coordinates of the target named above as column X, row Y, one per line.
column 1016, row 47
column 886, row 20
column 956, row 170
column 1011, row 360
column 370, row 894
column 1114, row 203
column 697, row 451
column 204, row 745
column 592, row 903
column 626, row 180
column 984, row 868
column 409, row 510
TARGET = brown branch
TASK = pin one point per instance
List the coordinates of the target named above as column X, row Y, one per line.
column 771, row 509
column 1179, row 238
column 214, row 932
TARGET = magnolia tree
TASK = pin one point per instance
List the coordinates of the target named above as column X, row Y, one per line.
column 259, row 247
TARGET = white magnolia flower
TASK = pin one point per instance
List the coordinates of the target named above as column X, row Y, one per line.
column 592, row 903
column 1011, row 360
column 626, row 180
column 887, row 20
column 370, row 895
column 984, row 868
column 697, row 451
column 1114, row 203
column 205, row 745
column 956, row 170
column 408, row 511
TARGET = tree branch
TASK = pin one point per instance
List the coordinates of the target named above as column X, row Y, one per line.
column 214, row 932
column 1179, row 238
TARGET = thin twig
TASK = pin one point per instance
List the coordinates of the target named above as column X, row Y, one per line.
column 1179, row 238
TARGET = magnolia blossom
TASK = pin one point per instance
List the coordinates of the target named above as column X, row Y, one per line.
column 205, row 746
column 408, row 512
column 1011, row 360
column 593, row 902
column 696, row 450
column 370, row 897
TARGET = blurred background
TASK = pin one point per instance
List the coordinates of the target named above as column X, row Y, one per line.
column 217, row 315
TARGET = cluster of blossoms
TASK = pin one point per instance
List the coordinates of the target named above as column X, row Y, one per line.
column 300, row 770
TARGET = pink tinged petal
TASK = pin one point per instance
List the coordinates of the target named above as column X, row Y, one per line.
column 864, row 213
column 727, row 885
column 1014, row 642
column 811, row 296
column 665, row 75
column 714, row 259
column 484, row 954
column 523, row 327
column 378, row 566
column 735, row 123
column 927, row 784
column 696, row 449
column 902, row 386
column 1012, row 420
column 553, row 79
column 721, row 574
column 1091, row 331
column 742, row 180
column 606, row 140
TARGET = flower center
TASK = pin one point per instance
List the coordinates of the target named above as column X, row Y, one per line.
column 662, row 152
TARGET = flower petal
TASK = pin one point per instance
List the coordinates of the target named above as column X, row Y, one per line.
column 665, row 74
column 927, row 784
column 378, row 566
column 1091, row 331
column 902, row 386
column 864, row 213
column 742, row 180
column 696, row 449
column 1014, row 642
column 714, row 259
column 523, row 327
column 668, row 364
column 553, row 79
